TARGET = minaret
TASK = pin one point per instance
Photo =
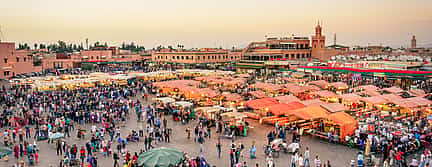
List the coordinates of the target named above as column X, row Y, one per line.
column 334, row 39
column 413, row 42
column 318, row 43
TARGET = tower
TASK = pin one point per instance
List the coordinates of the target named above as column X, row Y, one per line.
column 413, row 42
column 318, row 40
column 334, row 39
column 318, row 43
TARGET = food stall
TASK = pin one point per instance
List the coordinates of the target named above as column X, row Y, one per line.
column 340, row 124
column 351, row 100
column 259, row 107
column 184, row 110
column 326, row 96
column 339, row 87
column 162, row 103
column 209, row 115
column 235, row 124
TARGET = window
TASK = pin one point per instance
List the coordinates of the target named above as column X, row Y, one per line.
column 307, row 46
column 231, row 57
column 97, row 57
column 166, row 57
column 187, row 57
column 6, row 73
column 203, row 57
column 5, row 60
column 17, row 59
column 209, row 57
column 24, row 59
column 182, row 57
column 178, row 57
column 301, row 46
column 219, row 57
column 298, row 55
column 192, row 57
column 292, row 56
column 303, row 55
column 314, row 45
column 322, row 46
column 198, row 57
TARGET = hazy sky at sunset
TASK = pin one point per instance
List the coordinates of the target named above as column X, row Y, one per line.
column 214, row 23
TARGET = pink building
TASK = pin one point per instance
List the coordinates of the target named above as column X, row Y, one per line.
column 14, row 61
column 204, row 55
column 74, row 60
column 284, row 48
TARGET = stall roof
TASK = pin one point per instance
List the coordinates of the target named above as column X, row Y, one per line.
column 339, row 85
column 258, row 94
column 207, row 109
column 367, row 87
column 374, row 100
column 369, row 92
column 281, row 109
column 342, row 118
column 232, row 97
column 393, row 89
column 320, row 83
column 334, row 107
column 311, row 112
column 165, row 99
column 287, row 99
column 350, row 97
column 183, row 103
column 266, row 86
column 325, row 93
column 393, row 98
column 417, row 92
column 261, row 103
column 312, row 102
column 420, row 101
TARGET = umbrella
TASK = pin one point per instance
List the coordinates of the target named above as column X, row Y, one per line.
column 57, row 135
column 160, row 157
column 4, row 151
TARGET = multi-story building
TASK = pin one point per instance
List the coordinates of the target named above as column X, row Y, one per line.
column 278, row 49
column 204, row 55
column 14, row 61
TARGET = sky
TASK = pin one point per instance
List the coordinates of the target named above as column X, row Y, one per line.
column 215, row 23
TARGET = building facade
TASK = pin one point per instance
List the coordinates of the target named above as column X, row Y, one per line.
column 204, row 55
column 14, row 61
column 287, row 48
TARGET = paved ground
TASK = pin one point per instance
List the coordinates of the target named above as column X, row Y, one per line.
column 338, row 155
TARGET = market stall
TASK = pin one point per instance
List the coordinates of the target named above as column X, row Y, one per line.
column 340, row 124
column 235, row 124
column 338, row 87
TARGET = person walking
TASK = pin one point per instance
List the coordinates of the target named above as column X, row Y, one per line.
column 317, row 162
column 116, row 158
column 201, row 142
column 218, row 147
column 301, row 161
column 293, row 160
column 306, row 157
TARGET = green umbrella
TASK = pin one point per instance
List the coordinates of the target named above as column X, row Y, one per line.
column 160, row 157
column 4, row 151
